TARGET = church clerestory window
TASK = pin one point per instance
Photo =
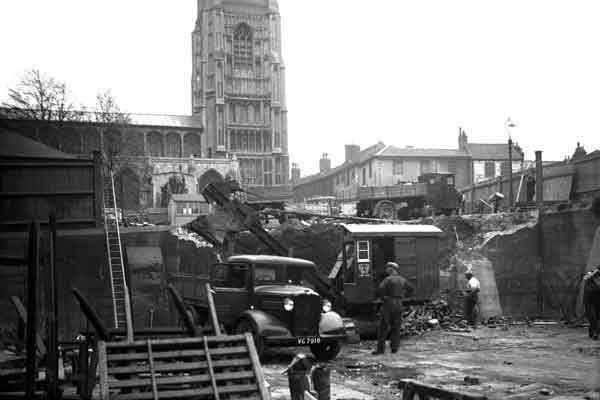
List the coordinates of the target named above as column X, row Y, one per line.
column 242, row 47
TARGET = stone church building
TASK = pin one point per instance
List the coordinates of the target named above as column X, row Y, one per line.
column 238, row 126
column 238, row 86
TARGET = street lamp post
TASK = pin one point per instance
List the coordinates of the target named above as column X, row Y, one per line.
column 510, row 124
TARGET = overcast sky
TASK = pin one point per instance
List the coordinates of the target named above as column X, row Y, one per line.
column 401, row 72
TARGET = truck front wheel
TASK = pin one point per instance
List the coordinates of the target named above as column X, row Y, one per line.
column 246, row 326
column 326, row 351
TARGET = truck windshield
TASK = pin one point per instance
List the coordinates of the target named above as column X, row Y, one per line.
column 268, row 274
column 275, row 275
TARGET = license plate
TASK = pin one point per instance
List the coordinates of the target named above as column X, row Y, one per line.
column 309, row 340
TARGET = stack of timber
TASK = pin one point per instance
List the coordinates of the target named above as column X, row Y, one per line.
column 209, row 367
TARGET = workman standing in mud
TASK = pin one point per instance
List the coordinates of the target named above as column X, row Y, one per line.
column 591, row 280
column 471, row 296
column 391, row 291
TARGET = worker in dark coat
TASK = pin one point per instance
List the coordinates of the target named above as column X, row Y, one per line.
column 391, row 290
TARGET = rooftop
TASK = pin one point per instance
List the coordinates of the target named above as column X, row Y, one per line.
column 18, row 146
column 270, row 260
column 392, row 151
column 493, row 151
column 363, row 156
column 165, row 120
column 188, row 197
column 392, row 229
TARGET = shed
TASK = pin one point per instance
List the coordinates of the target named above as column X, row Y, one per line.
column 367, row 248
column 186, row 207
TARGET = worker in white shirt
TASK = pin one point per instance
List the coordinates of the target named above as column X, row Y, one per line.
column 471, row 295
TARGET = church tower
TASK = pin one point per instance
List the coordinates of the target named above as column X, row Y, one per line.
column 238, row 87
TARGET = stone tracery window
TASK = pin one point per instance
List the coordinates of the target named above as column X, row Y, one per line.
column 242, row 46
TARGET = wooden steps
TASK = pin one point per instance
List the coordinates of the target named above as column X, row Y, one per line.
column 209, row 367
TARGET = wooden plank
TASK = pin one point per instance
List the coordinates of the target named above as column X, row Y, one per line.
column 178, row 366
column 98, row 190
column 181, row 380
column 32, row 271
column 211, row 371
column 41, row 347
column 177, row 353
column 176, row 343
column 260, row 379
column 52, row 316
column 196, row 393
column 48, row 194
column 91, row 315
column 213, row 310
column 410, row 386
column 103, row 370
column 152, row 372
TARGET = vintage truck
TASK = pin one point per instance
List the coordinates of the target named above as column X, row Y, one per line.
column 275, row 298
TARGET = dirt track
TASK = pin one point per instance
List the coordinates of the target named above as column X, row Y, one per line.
column 518, row 363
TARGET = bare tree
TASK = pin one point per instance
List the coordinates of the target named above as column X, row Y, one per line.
column 109, row 114
column 41, row 97
column 108, row 110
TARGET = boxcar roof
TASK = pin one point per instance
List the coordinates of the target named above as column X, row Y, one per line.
column 270, row 260
column 367, row 230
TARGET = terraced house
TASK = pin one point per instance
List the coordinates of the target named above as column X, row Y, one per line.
column 383, row 165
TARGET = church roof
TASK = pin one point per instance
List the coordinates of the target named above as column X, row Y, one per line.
column 162, row 120
column 175, row 121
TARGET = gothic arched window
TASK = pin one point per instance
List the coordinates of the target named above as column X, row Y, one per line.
column 242, row 47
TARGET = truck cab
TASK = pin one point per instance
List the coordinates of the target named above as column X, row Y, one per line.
column 275, row 299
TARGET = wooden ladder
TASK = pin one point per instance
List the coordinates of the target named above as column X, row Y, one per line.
column 118, row 281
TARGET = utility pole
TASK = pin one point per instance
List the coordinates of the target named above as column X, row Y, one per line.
column 511, row 199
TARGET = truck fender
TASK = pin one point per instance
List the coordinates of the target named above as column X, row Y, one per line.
column 265, row 324
column 331, row 324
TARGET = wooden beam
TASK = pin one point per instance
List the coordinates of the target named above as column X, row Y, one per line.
column 103, row 370
column 98, row 189
column 187, row 320
column 212, row 310
column 22, row 313
column 211, row 371
column 411, row 387
column 52, row 316
column 91, row 316
column 258, row 372
column 30, row 343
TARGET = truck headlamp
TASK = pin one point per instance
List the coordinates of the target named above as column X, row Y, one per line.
column 326, row 306
column 288, row 304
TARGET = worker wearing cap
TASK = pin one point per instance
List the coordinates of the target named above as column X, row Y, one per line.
column 391, row 290
column 471, row 295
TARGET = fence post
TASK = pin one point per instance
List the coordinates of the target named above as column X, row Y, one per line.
column 32, row 271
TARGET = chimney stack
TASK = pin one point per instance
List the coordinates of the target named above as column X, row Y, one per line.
column 324, row 163
column 352, row 152
column 295, row 173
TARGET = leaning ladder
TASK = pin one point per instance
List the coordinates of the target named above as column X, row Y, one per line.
column 118, row 282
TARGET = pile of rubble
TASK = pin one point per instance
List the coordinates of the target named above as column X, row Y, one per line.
column 433, row 315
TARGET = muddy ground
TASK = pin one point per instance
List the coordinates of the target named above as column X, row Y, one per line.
column 516, row 362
